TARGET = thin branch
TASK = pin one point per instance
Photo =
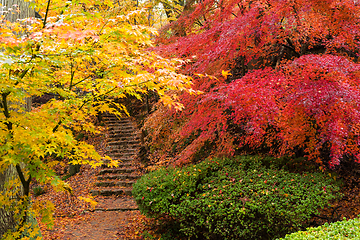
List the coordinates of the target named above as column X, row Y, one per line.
column 46, row 14
column 24, row 73
column 57, row 126
column 71, row 76
column 81, row 81
column 25, row 183
column 198, row 22
column 292, row 46
column 97, row 97
column 6, row 110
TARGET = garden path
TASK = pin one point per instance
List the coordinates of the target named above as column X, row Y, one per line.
column 111, row 188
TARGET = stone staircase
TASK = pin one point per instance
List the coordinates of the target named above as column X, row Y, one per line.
column 123, row 144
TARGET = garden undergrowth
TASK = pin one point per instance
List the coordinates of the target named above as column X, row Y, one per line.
column 190, row 200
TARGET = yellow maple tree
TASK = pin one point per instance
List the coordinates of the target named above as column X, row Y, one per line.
column 85, row 54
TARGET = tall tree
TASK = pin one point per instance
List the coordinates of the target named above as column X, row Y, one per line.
column 241, row 110
column 86, row 54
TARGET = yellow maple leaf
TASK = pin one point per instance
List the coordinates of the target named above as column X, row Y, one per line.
column 225, row 73
column 199, row 75
column 89, row 200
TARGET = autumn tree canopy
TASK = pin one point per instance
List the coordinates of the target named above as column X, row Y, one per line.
column 85, row 54
column 278, row 77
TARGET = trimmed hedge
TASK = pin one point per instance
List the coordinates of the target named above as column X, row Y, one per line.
column 233, row 198
column 346, row 229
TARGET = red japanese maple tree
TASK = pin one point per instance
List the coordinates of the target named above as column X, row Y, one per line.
column 294, row 83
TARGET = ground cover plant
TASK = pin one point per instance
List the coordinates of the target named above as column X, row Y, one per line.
column 233, row 198
column 346, row 229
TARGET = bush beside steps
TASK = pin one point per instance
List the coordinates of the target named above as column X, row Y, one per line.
column 238, row 198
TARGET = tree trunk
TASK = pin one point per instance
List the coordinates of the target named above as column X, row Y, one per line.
column 20, row 9
column 13, row 10
column 7, row 221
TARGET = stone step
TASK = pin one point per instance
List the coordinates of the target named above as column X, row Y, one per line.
column 121, row 120
column 116, row 170
column 107, row 114
column 116, row 137
column 114, row 149
column 103, row 191
column 131, row 146
column 121, row 159
column 118, row 133
column 122, row 125
column 120, row 150
column 122, row 164
column 114, row 118
column 114, row 183
column 121, row 129
column 112, row 137
column 128, row 134
column 114, row 176
column 119, row 154
column 122, row 143
column 123, row 203
column 131, row 143
column 123, row 147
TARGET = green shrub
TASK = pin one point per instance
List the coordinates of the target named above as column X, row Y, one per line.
column 233, row 198
column 349, row 229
